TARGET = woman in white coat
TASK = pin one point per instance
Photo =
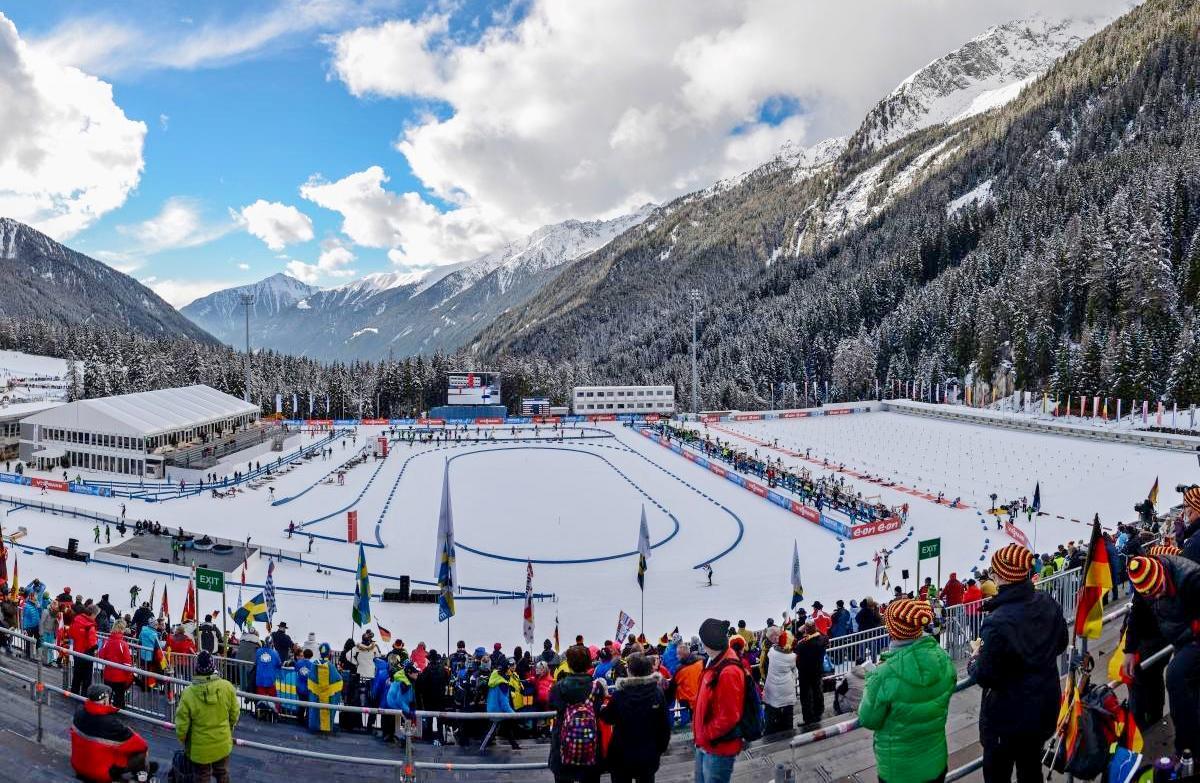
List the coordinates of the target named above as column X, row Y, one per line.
column 779, row 682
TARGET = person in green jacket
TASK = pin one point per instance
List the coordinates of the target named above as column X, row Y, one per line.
column 907, row 698
column 208, row 711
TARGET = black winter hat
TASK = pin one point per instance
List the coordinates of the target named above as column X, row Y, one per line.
column 714, row 633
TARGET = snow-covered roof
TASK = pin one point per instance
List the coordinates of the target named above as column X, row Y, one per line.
column 19, row 410
column 145, row 413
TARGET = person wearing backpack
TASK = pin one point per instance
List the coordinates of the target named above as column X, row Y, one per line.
column 720, row 705
column 641, row 725
column 907, row 698
column 575, row 737
column 209, row 635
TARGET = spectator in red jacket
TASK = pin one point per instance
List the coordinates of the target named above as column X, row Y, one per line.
column 102, row 747
column 180, row 643
column 820, row 618
column 952, row 593
column 971, row 595
column 718, row 705
column 116, row 649
column 83, row 640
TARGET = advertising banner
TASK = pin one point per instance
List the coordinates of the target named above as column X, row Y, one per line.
column 876, row 528
column 1016, row 534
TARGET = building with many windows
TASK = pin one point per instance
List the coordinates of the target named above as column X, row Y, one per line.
column 140, row 434
column 592, row 400
column 10, row 424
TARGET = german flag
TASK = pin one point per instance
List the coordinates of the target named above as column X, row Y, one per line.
column 1070, row 710
column 384, row 634
column 1153, row 496
column 1097, row 580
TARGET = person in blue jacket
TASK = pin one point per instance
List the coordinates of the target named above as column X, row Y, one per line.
column 266, row 669
column 379, row 683
column 148, row 641
column 499, row 699
column 399, row 696
column 304, row 667
column 31, row 620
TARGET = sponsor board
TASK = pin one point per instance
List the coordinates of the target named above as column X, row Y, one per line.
column 747, row 417
column 1016, row 534
column 794, row 414
column 489, row 420
column 86, row 489
column 375, row 422
column 875, row 528
column 833, row 525
column 434, row 422
column 41, row 483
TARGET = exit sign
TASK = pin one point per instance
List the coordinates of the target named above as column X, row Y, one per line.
column 207, row 579
column 929, row 548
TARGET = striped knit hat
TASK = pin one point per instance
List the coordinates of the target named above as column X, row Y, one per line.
column 1163, row 549
column 1147, row 576
column 906, row 618
column 1191, row 497
column 1012, row 563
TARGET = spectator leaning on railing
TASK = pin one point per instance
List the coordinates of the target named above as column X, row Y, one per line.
column 204, row 721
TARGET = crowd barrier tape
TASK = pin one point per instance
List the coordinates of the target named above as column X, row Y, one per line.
column 770, row 415
column 801, row 510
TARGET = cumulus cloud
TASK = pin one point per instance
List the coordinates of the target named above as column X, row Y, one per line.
column 68, row 153
column 414, row 230
column 179, row 293
column 590, row 107
column 179, row 224
column 278, row 225
column 333, row 261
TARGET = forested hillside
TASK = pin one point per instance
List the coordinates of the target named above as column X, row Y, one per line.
column 1058, row 234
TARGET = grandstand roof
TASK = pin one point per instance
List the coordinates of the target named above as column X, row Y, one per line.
column 145, row 414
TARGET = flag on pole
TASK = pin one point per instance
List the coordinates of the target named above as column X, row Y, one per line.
column 1097, row 580
column 625, row 624
column 1153, row 496
column 362, row 591
column 3, row 558
column 243, row 583
column 528, row 613
column 555, row 630
column 1037, row 497
column 1069, row 713
column 153, row 591
column 16, row 578
column 643, row 549
column 165, row 610
column 254, row 609
column 444, row 567
column 269, row 591
column 189, row 599
column 385, row 635
column 797, row 585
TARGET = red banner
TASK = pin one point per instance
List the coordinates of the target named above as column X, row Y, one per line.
column 794, row 414
column 720, row 471
column 488, row 420
column 838, row 412
column 710, row 418
column 57, row 486
column 1016, row 534
column 603, row 417
column 875, row 528
column 352, row 526
column 374, row 422
column 319, row 422
column 437, row 422
column 757, row 489
column 547, row 419
column 748, row 417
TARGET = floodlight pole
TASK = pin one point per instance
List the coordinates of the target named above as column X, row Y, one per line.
column 694, row 295
column 247, row 300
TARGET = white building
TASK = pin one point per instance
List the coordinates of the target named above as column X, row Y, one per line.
column 590, row 400
column 139, row 434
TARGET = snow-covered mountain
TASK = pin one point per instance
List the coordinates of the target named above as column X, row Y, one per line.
column 986, row 72
column 43, row 279
column 221, row 314
column 405, row 313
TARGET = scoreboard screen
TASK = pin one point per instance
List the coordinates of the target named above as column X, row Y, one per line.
column 473, row 388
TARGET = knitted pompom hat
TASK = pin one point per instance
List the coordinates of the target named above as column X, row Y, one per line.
column 1012, row 563
column 1147, row 576
column 906, row 618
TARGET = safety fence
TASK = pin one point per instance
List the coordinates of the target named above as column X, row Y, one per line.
column 407, row 723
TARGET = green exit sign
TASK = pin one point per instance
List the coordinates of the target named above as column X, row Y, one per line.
column 929, row 548
column 207, row 579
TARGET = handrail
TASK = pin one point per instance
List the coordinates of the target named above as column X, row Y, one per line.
column 845, row 727
column 362, row 710
column 243, row 743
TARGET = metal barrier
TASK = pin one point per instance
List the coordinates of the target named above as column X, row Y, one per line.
column 404, row 721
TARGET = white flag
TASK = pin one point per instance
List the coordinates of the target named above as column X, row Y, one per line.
column 797, row 584
column 445, row 570
column 643, row 549
column 528, row 614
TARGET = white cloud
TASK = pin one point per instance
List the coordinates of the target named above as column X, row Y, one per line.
column 243, row 266
column 164, row 120
column 589, row 107
column 276, row 224
column 68, row 153
column 110, row 45
column 182, row 292
column 414, row 230
column 333, row 261
column 178, row 224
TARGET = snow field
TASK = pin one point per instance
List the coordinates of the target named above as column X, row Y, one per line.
column 581, row 501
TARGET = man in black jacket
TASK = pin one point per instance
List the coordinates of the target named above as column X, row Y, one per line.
column 810, row 673
column 282, row 642
column 431, row 695
column 209, row 636
column 1015, row 664
column 1168, row 586
column 641, row 724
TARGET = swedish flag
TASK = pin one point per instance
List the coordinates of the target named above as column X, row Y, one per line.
column 254, row 609
column 362, row 591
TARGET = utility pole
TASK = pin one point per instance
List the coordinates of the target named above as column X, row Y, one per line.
column 247, row 300
column 694, row 295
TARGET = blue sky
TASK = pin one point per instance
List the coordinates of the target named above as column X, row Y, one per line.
column 383, row 135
